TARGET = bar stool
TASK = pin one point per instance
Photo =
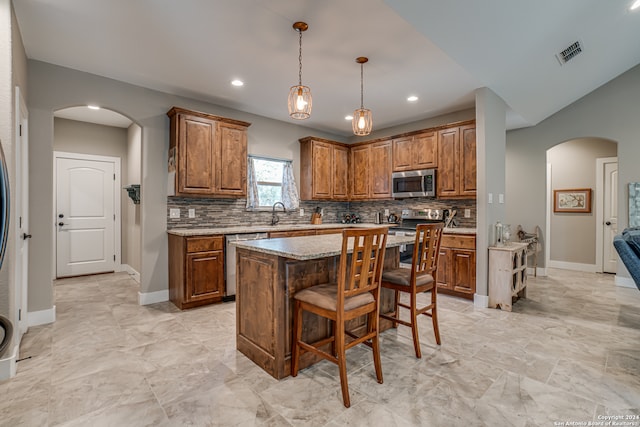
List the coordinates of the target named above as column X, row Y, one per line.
column 356, row 294
column 419, row 278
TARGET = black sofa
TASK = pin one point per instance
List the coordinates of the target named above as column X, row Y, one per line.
column 628, row 246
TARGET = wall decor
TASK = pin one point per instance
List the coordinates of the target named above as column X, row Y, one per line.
column 577, row 200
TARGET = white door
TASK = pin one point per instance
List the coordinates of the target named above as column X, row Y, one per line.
column 21, row 223
column 610, row 214
column 85, row 217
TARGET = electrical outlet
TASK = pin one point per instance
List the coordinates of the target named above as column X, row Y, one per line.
column 467, row 213
column 174, row 213
column 386, row 212
column 322, row 212
column 192, row 213
column 301, row 211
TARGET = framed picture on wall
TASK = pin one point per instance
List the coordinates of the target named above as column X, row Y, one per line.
column 576, row 200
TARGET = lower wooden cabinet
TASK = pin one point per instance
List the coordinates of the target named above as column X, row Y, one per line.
column 457, row 265
column 196, row 270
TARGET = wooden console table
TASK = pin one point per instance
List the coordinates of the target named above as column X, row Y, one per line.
column 507, row 274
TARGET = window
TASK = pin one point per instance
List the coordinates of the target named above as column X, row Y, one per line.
column 270, row 181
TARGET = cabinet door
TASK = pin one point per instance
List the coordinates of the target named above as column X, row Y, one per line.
column 402, row 154
column 448, row 156
column 468, row 160
column 443, row 278
column 322, row 169
column 232, row 166
column 380, row 172
column 340, row 173
column 425, row 151
column 360, row 172
column 196, row 155
column 464, row 271
column 205, row 276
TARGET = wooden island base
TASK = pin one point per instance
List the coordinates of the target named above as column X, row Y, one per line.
column 264, row 306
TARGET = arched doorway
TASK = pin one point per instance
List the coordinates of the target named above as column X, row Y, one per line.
column 580, row 240
column 84, row 133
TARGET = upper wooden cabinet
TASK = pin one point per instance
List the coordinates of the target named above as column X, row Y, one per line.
column 380, row 164
column 456, row 176
column 208, row 154
column 324, row 170
column 415, row 152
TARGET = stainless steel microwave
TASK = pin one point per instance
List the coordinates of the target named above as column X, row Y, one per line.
column 420, row 183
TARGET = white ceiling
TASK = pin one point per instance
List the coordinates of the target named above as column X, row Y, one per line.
column 440, row 51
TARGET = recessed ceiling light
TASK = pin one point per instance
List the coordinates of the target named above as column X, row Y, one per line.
column 635, row 5
column 93, row 107
column 348, row 117
column 412, row 98
column 237, row 82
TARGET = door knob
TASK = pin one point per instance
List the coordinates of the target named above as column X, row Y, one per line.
column 26, row 236
column 608, row 223
column 61, row 216
column 61, row 224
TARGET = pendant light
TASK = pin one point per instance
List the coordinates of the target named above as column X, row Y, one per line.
column 299, row 95
column 362, row 120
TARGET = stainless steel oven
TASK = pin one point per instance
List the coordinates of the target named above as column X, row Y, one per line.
column 410, row 219
column 420, row 183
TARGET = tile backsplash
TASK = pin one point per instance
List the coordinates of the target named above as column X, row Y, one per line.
column 211, row 213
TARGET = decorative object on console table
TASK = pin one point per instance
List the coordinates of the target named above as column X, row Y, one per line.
column 531, row 239
column 507, row 275
column 573, row 201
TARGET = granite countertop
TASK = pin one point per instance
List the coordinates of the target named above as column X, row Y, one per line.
column 185, row 232
column 309, row 247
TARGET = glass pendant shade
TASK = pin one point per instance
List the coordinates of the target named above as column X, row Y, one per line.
column 362, row 122
column 299, row 102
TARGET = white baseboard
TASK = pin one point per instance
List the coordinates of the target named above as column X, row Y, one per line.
column 41, row 317
column 130, row 271
column 625, row 282
column 153, row 297
column 480, row 301
column 8, row 364
column 574, row 266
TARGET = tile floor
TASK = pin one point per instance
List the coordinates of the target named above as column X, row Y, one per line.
column 568, row 353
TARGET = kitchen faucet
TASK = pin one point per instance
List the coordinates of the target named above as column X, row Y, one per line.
column 274, row 216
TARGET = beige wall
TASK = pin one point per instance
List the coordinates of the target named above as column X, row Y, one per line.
column 131, row 236
column 609, row 112
column 53, row 88
column 573, row 165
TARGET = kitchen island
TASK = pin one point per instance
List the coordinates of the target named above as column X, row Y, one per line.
column 269, row 273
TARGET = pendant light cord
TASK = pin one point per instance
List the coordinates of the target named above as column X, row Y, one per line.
column 300, row 59
column 361, row 86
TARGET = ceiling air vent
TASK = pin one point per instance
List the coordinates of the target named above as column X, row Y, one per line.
column 569, row 53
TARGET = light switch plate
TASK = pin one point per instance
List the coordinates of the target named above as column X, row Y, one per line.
column 174, row 213
column 192, row 213
column 467, row 213
column 500, row 198
column 490, row 198
column 301, row 211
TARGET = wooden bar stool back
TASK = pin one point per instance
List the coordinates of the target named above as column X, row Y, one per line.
column 419, row 278
column 355, row 294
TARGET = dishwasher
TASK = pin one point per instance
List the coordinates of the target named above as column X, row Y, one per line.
column 230, row 257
